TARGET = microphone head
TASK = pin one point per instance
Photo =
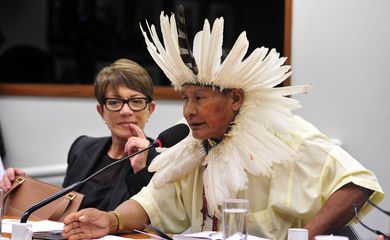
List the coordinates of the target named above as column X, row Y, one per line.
column 172, row 135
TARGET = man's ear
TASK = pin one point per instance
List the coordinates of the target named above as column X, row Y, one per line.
column 238, row 96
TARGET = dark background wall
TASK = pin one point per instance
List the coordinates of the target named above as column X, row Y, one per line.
column 68, row 41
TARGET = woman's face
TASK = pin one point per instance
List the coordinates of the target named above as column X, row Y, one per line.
column 210, row 112
column 118, row 122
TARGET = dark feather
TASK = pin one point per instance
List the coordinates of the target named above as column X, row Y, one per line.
column 184, row 44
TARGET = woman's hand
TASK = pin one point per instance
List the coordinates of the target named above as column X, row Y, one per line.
column 134, row 144
column 9, row 177
column 381, row 237
column 89, row 223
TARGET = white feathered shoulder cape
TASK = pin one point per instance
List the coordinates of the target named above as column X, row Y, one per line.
column 249, row 147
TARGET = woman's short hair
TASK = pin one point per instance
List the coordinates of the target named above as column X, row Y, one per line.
column 123, row 72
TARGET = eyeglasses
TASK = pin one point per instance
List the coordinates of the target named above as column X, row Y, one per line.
column 135, row 104
column 373, row 204
column 377, row 232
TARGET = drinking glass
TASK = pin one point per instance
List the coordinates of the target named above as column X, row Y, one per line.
column 235, row 219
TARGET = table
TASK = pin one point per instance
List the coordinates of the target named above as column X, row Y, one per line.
column 126, row 235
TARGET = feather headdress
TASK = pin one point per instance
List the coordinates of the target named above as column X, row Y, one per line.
column 257, row 138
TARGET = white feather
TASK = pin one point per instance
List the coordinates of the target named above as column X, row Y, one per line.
column 215, row 47
column 167, row 166
column 197, row 47
column 231, row 62
column 204, row 44
column 167, row 56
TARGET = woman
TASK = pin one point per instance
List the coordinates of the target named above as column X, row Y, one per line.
column 245, row 143
column 124, row 91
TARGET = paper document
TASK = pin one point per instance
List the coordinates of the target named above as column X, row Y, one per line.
column 37, row 226
column 111, row 237
column 211, row 235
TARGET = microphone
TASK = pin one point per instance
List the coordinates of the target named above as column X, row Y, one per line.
column 172, row 135
column 167, row 138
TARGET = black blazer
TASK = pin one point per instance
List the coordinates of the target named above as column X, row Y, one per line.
column 83, row 157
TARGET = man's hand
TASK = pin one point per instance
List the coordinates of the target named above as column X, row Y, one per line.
column 89, row 223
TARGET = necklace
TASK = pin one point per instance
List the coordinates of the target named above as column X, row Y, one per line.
column 205, row 214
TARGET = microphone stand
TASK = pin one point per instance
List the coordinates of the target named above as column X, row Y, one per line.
column 73, row 186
